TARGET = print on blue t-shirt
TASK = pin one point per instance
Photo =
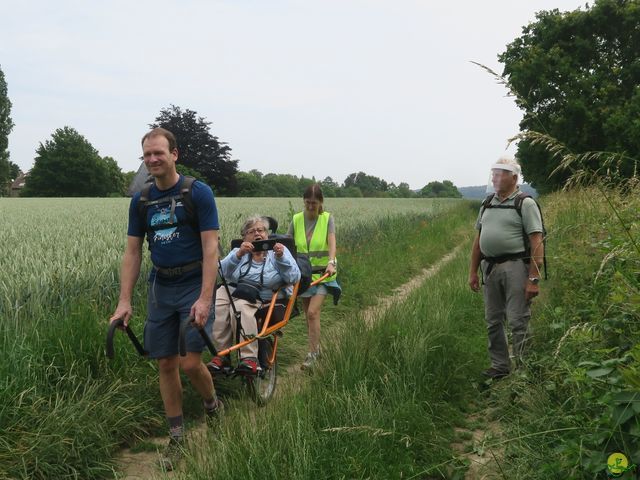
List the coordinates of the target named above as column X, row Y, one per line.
column 161, row 218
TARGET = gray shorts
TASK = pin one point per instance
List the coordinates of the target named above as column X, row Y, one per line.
column 167, row 307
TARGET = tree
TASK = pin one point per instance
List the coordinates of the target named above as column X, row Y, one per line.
column 280, row 185
column 250, row 184
column 190, row 172
column 69, row 166
column 329, row 187
column 350, row 192
column 4, row 177
column 128, row 178
column 14, row 171
column 575, row 76
column 445, row 189
column 6, row 125
column 401, row 191
column 304, row 183
column 369, row 185
column 199, row 150
column 115, row 177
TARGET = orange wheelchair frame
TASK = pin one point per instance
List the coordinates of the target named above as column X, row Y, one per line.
column 261, row 385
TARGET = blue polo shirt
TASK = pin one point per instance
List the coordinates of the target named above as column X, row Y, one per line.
column 178, row 244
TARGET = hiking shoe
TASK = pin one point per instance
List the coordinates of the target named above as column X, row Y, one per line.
column 310, row 360
column 214, row 414
column 171, row 455
column 494, row 373
column 218, row 364
column 215, row 411
column 248, row 365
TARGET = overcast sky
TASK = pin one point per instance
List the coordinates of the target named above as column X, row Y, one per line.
column 315, row 88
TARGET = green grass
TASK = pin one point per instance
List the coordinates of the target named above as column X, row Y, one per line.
column 384, row 402
column 65, row 409
column 573, row 405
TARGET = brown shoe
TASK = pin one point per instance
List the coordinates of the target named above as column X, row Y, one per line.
column 216, row 412
column 171, row 455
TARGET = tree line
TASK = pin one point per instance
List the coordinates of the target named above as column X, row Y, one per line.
column 68, row 165
column 256, row 184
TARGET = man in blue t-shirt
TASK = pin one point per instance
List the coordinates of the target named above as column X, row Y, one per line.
column 184, row 253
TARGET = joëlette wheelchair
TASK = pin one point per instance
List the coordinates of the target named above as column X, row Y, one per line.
column 271, row 316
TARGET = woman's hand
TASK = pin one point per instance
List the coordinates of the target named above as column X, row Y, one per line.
column 245, row 247
column 278, row 249
column 331, row 269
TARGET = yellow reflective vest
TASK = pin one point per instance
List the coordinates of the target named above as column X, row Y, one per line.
column 318, row 248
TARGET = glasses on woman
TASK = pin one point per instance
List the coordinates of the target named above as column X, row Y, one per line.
column 255, row 230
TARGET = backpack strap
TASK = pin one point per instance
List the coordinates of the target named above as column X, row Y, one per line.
column 189, row 206
column 143, row 206
column 517, row 202
column 486, row 203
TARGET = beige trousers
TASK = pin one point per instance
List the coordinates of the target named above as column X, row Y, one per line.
column 224, row 325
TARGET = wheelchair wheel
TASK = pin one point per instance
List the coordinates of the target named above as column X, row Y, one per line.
column 262, row 385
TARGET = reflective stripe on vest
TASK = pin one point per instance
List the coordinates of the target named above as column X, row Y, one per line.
column 318, row 248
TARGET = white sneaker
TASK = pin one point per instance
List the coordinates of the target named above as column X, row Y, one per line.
column 310, row 360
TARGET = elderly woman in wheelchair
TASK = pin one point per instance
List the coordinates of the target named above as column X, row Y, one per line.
column 252, row 275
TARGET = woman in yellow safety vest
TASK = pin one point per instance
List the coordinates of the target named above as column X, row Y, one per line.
column 314, row 233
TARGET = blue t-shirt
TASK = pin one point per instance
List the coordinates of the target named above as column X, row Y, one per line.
column 177, row 244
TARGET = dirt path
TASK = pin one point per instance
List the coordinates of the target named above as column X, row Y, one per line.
column 476, row 449
column 143, row 465
column 373, row 313
column 400, row 294
column 140, row 465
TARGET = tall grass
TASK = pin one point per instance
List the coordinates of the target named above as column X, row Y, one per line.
column 64, row 408
column 383, row 403
column 577, row 400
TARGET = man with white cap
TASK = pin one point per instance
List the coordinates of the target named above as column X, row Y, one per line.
column 509, row 250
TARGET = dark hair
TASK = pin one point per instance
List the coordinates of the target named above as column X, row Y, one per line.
column 314, row 191
column 162, row 132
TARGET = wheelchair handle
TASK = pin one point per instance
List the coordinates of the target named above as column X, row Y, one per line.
column 109, row 351
column 326, row 275
column 182, row 341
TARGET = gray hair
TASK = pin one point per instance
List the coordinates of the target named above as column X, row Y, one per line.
column 253, row 220
column 509, row 160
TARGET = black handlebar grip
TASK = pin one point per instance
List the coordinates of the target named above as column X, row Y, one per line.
column 136, row 343
column 110, row 332
column 182, row 342
column 208, row 342
column 132, row 336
